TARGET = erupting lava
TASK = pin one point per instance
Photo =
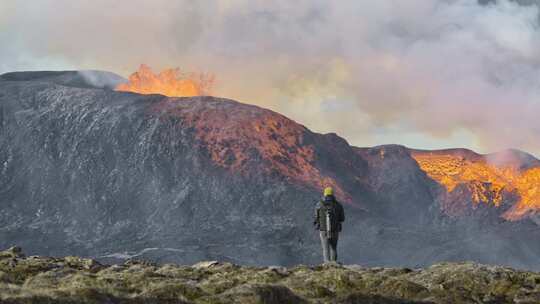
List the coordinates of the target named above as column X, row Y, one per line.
column 488, row 183
column 169, row 82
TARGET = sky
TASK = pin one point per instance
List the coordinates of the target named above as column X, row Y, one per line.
column 427, row 74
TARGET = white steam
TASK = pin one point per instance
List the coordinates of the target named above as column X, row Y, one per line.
column 425, row 73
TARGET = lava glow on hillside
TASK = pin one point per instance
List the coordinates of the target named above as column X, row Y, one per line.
column 169, row 82
column 486, row 182
column 250, row 140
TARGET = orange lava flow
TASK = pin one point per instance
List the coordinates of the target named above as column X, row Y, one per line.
column 256, row 142
column 169, row 82
column 528, row 186
column 486, row 182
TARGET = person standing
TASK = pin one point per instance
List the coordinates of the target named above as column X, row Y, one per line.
column 329, row 215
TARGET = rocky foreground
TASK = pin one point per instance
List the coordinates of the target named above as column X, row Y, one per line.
column 36, row 279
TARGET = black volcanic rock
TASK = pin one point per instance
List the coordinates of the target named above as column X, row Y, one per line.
column 88, row 171
column 400, row 188
column 79, row 79
column 98, row 172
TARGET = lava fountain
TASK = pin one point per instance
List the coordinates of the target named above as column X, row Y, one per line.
column 169, row 82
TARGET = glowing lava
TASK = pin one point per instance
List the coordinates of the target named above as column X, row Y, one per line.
column 485, row 181
column 254, row 142
column 169, row 82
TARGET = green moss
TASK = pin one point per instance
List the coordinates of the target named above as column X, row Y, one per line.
column 219, row 285
column 403, row 289
column 315, row 291
column 19, row 270
column 48, row 279
column 173, row 290
column 76, row 280
column 4, row 277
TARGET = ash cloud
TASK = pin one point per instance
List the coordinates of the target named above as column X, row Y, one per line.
column 425, row 73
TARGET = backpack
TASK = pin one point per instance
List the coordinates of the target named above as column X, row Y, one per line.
column 328, row 220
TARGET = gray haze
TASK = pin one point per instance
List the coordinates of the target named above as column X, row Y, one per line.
column 424, row 73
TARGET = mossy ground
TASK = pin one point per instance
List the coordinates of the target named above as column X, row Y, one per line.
column 76, row 280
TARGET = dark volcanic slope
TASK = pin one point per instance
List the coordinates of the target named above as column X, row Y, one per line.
column 89, row 171
column 79, row 79
column 95, row 172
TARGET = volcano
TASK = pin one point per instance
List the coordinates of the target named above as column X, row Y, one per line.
column 87, row 170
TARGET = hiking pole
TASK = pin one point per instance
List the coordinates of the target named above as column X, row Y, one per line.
column 328, row 225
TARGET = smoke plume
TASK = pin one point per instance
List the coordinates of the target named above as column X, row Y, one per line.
column 425, row 73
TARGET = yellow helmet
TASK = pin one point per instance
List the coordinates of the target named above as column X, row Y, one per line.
column 328, row 191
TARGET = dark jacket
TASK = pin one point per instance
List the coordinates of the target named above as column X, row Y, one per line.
column 329, row 200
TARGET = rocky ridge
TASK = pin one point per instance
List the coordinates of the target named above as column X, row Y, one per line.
column 72, row 279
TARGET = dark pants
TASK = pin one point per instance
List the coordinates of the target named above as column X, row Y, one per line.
column 329, row 246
